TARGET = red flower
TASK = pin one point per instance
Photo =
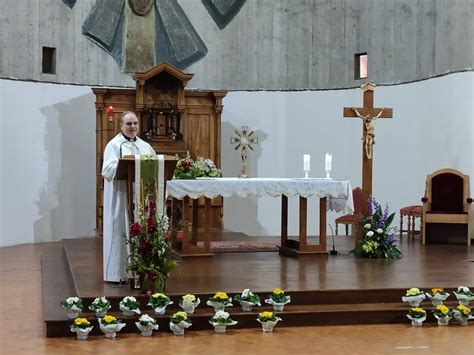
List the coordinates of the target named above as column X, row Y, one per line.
column 150, row 225
column 144, row 248
column 135, row 229
column 186, row 165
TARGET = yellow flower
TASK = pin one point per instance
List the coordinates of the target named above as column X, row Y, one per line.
column 417, row 310
column 413, row 291
column 278, row 291
column 80, row 321
column 265, row 314
column 158, row 295
column 465, row 310
column 221, row 296
column 109, row 319
column 443, row 309
column 434, row 291
column 189, row 298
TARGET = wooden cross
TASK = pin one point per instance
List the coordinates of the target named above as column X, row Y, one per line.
column 368, row 113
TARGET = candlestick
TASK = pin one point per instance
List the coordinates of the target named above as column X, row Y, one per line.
column 328, row 162
column 306, row 162
column 110, row 112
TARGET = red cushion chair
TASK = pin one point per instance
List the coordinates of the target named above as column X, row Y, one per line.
column 446, row 207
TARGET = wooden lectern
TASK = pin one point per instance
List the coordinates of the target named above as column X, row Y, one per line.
column 126, row 172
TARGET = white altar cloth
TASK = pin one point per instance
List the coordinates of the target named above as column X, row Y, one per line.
column 338, row 192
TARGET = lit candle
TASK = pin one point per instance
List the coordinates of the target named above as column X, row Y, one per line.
column 328, row 162
column 110, row 112
column 306, row 162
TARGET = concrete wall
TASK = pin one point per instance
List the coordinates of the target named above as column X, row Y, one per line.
column 47, row 171
column 269, row 45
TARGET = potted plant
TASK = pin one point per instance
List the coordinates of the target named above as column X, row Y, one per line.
column 417, row 316
column 220, row 321
column 179, row 321
column 151, row 256
column 413, row 297
column 100, row 306
column 443, row 314
column 146, row 325
column 437, row 296
column 464, row 295
column 109, row 325
column 379, row 239
column 268, row 320
column 247, row 300
column 462, row 313
column 219, row 301
column 129, row 306
column 278, row 299
column 189, row 303
column 82, row 328
column 73, row 305
column 159, row 302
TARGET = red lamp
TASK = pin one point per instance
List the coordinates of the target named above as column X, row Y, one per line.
column 110, row 112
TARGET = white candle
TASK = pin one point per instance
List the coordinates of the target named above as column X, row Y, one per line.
column 328, row 162
column 306, row 162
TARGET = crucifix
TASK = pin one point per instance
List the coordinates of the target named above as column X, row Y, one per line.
column 368, row 113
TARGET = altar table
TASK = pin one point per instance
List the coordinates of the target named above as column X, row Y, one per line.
column 334, row 195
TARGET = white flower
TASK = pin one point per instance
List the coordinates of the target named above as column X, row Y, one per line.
column 146, row 318
column 129, row 299
column 463, row 289
column 367, row 226
column 370, row 234
column 72, row 300
column 221, row 314
column 380, row 231
column 245, row 293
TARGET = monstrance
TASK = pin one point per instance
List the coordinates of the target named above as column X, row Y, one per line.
column 244, row 139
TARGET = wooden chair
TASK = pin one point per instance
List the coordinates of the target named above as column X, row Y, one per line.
column 446, row 207
column 412, row 213
column 352, row 219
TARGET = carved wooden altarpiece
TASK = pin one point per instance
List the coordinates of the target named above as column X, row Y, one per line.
column 172, row 119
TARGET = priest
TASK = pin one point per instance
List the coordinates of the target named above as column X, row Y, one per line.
column 115, row 213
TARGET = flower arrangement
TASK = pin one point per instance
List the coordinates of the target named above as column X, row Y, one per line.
column 100, row 306
column 159, row 302
column 110, row 325
column 278, row 299
column 462, row 314
column 379, row 239
column 151, row 255
column 437, row 296
column 219, row 301
column 417, row 316
column 146, row 325
column 221, row 320
column 129, row 306
column 179, row 321
column 464, row 295
column 188, row 168
column 82, row 327
column 268, row 320
column 442, row 311
column 247, row 299
column 73, row 305
column 413, row 297
column 189, row 303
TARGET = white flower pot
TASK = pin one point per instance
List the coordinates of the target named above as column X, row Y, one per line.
column 146, row 330
column 278, row 306
column 464, row 302
column 147, row 333
column 72, row 315
column 246, row 306
column 267, row 327
column 462, row 321
column 160, row 310
column 178, row 329
column 189, row 307
column 111, row 335
column 414, row 301
column 416, row 323
column 437, row 299
column 110, row 330
column 82, row 334
column 443, row 321
column 220, row 328
column 100, row 313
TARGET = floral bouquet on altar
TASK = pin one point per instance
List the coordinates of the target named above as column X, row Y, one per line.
column 379, row 239
column 151, row 255
column 188, row 168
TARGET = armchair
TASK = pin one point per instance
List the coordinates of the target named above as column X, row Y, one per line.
column 446, row 207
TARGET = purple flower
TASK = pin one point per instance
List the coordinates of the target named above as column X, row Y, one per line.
column 391, row 239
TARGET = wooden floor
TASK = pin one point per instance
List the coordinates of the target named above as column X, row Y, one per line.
column 22, row 329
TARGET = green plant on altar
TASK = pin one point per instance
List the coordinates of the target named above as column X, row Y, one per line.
column 150, row 255
column 187, row 168
column 379, row 239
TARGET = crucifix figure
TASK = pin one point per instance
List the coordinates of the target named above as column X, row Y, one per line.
column 368, row 113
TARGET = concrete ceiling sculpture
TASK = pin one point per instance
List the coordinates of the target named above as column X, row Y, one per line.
column 140, row 34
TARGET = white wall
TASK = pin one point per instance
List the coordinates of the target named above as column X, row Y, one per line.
column 47, row 171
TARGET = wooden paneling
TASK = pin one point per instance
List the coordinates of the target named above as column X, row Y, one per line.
column 163, row 88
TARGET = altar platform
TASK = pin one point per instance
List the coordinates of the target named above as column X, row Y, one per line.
column 325, row 289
